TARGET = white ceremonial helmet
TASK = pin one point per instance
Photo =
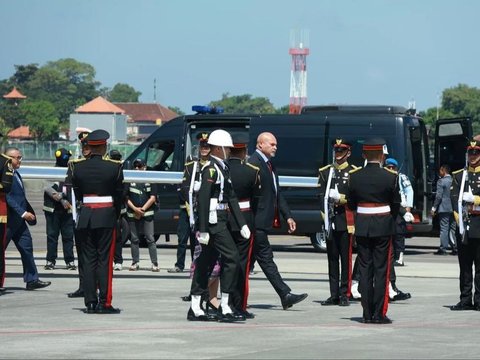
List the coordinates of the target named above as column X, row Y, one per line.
column 220, row 138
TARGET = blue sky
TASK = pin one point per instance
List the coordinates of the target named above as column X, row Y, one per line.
column 361, row 52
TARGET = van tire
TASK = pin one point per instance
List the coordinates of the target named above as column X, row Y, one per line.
column 318, row 240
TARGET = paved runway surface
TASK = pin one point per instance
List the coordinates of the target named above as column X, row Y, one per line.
column 46, row 324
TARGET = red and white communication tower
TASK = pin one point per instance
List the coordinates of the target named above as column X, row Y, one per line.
column 298, row 72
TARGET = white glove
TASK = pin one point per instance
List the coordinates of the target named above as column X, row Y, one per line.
column 408, row 217
column 468, row 197
column 196, row 186
column 334, row 195
column 203, row 237
column 245, row 232
column 404, row 204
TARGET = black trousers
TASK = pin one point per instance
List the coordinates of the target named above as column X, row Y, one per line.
column 3, row 246
column 374, row 263
column 221, row 242
column 245, row 247
column 184, row 233
column 59, row 223
column 468, row 257
column 263, row 253
column 339, row 253
column 98, row 250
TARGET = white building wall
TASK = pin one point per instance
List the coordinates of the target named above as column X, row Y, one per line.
column 115, row 124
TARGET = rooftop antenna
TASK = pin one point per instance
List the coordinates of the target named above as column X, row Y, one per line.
column 155, row 90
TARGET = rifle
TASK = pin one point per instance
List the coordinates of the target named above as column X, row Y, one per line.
column 463, row 217
column 327, row 204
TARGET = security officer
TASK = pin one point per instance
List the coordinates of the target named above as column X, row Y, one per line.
column 6, row 174
column 373, row 193
column 85, row 149
column 246, row 184
column 191, row 173
column 339, row 242
column 57, row 206
column 98, row 184
column 466, row 184
column 215, row 199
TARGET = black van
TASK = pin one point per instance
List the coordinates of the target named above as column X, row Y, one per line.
column 304, row 145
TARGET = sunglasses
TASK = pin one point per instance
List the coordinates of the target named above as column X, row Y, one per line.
column 19, row 158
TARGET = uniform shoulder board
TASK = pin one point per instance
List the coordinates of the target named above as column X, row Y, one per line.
column 457, row 171
column 111, row 160
column 390, row 171
column 253, row 166
column 77, row 160
column 324, row 168
column 355, row 169
column 188, row 163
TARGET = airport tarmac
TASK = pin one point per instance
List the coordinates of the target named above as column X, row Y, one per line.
column 45, row 324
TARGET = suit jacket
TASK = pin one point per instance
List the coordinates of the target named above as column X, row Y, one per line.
column 17, row 204
column 443, row 203
column 268, row 199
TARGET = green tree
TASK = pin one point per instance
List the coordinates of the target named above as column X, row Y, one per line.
column 123, row 93
column 285, row 109
column 41, row 119
column 177, row 110
column 244, row 104
column 4, row 130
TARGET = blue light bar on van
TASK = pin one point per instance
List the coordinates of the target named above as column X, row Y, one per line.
column 205, row 109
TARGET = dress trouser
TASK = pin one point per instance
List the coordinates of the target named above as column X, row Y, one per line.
column 3, row 246
column 244, row 246
column 447, row 230
column 469, row 256
column 263, row 253
column 221, row 242
column 23, row 242
column 98, row 250
column 374, row 263
column 339, row 249
column 184, row 233
column 59, row 222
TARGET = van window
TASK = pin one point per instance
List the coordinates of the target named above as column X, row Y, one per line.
column 159, row 155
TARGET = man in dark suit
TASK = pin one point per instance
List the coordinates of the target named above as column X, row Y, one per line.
column 20, row 212
column 267, row 207
column 98, row 184
column 373, row 193
column 6, row 178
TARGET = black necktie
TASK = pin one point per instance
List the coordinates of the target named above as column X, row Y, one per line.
column 269, row 164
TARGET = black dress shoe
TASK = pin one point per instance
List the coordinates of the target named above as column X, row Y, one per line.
column 186, row 298
column 476, row 307
column 461, row 306
column 401, row 296
column 229, row 317
column 381, row 320
column 102, row 309
column 330, row 301
column 344, row 301
column 292, row 299
column 248, row 315
column 37, row 284
column 2, row 289
column 91, row 308
column 76, row 294
column 366, row 321
column 192, row 317
column 211, row 311
column 441, row 252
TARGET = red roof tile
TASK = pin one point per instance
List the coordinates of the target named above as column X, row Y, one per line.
column 99, row 105
column 22, row 132
column 14, row 94
column 139, row 112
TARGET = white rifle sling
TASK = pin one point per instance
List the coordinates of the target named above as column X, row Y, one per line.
column 190, row 194
column 325, row 201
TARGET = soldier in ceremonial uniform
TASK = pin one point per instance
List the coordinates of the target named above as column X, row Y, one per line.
column 373, row 193
column 98, row 185
column 466, row 184
column 339, row 242
column 246, row 184
column 6, row 174
column 185, row 194
column 82, row 138
column 216, row 199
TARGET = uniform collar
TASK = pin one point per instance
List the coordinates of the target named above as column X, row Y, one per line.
column 474, row 170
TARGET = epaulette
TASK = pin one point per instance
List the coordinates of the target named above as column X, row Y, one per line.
column 189, row 163
column 325, row 167
column 111, row 160
column 457, row 171
column 390, row 171
column 356, row 168
column 253, row 166
column 77, row 160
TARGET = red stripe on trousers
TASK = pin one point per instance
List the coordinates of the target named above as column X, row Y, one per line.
column 386, row 296
column 108, row 302
column 247, row 274
column 349, row 270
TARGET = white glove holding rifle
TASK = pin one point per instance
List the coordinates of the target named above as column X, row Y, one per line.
column 468, row 197
column 334, row 194
column 245, row 232
column 408, row 217
column 203, row 237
